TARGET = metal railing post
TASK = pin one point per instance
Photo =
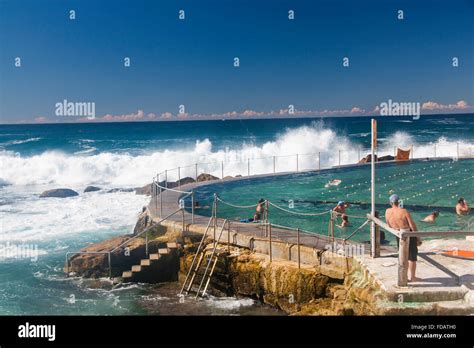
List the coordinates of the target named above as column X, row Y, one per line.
column 270, row 240
column 179, row 176
column 155, row 192
column 182, row 218
column 192, row 208
column 166, row 178
column 215, row 219
column 248, row 166
column 358, row 154
column 146, row 243
column 339, row 158
column 457, row 149
column 435, row 150
column 161, row 201
column 377, row 237
column 298, row 243
column 222, row 169
column 196, row 171
column 297, row 163
column 319, row 160
column 228, row 236
column 274, row 165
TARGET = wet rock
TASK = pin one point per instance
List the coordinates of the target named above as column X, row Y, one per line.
column 367, row 159
column 120, row 190
column 145, row 190
column 59, row 193
column 206, row 177
column 184, row 181
column 92, row 189
column 386, row 158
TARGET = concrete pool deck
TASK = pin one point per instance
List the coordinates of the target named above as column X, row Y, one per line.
column 446, row 284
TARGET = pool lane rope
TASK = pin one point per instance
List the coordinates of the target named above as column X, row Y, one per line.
column 235, row 205
column 298, row 213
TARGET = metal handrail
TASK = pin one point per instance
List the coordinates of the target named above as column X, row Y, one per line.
column 360, row 150
column 210, row 260
column 109, row 252
column 194, row 258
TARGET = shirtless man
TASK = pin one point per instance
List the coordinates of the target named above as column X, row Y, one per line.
column 462, row 208
column 259, row 211
column 340, row 210
column 400, row 219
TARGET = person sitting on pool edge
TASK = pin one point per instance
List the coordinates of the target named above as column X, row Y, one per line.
column 432, row 217
column 400, row 219
column 462, row 208
column 259, row 210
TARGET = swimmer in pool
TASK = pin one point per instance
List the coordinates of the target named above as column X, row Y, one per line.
column 432, row 217
column 462, row 208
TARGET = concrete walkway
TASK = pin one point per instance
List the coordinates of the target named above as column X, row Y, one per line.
column 442, row 278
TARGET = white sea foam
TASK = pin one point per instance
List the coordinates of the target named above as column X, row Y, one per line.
column 46, row 219
column 57, row 168
column 229, row 303
column 18, row 142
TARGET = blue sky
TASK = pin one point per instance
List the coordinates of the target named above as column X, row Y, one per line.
column 190, row 62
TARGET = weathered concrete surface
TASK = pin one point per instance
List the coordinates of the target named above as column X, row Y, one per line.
column 447, row 291
column 446, row 284
column 122, row 259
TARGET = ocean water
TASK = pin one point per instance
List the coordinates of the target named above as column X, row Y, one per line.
column 36, row 233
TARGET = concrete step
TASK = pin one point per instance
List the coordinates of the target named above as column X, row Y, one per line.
column 127, row 274
column 154, row 256
column 145, row 262
column 136, row 268
column 163, row 251
column 171, row 245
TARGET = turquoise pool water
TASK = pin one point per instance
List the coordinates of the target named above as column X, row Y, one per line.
column 423, row 186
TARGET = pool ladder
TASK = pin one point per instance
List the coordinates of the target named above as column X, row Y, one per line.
column 205, row 258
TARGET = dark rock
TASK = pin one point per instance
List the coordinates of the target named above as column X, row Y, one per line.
column 59, row 193
column 92, row 189
column 386, row 158
column 367, row 159
column 145, row 190
column 181, row 182
column 206, row 177
column 120, row 190
column 184, row 181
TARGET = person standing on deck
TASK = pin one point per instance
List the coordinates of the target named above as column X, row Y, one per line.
column 462, row 208
column 400, row 219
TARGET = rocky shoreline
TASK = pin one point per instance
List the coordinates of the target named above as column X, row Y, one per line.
column 311, row 290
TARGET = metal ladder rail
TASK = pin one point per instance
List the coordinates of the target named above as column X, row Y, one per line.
column 198, row 251
column 205, row 275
